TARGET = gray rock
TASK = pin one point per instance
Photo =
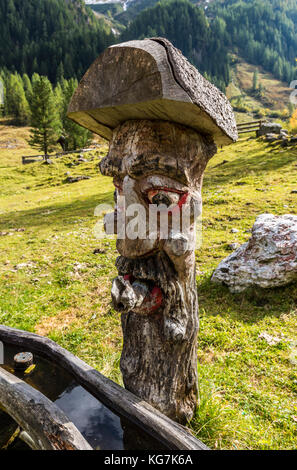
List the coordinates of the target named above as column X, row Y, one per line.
column 233, row 246
column 268, row 259
column 75, row 179
column 272, row 137
column 269, row 128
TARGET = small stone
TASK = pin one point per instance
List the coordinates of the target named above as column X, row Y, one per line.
column 24, row 265
column 271, row 340
column 75, row 179
column 234, row 230
column 233, row 246
column 271, row 137
column 99, row 251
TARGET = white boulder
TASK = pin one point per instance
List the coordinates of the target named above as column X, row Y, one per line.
column 268, row 259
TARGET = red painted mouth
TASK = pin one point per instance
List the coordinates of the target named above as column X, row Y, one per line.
column 153, row 301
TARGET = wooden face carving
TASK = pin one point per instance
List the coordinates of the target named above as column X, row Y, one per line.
column 158, row 166
column 165, row 223
column 156, row 206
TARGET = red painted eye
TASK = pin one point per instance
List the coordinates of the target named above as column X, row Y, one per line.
column 118, row 183
column 164, row 197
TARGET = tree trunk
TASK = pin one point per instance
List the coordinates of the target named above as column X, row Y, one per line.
column 158, row 367
column 154, row 163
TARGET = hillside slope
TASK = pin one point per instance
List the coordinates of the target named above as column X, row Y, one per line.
column 52, row 282
column 271, row 99
column 51, row 37
column 262, row 33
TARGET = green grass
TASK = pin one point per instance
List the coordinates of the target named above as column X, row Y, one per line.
column 248, row 389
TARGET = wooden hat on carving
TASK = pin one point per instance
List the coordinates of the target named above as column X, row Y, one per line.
column 150, row 79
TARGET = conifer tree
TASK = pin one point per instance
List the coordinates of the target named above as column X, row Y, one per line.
column 27, row 87
column 45, row 120
column 293, row 122
column 255, row 80
column 75, row 136
column 16, row 104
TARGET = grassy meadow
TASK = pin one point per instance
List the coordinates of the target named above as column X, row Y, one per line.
column 52, row 282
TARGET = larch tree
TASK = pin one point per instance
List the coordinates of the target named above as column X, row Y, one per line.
column 76, row 137
column 293, row 122
column 16, row 104
column 45, row 119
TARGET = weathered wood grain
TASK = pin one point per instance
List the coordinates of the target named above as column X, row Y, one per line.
column 150, row 79
column 159, row 357
column 171, row 434
column 47, row 425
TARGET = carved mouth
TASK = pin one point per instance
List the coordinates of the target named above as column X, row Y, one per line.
column 139, row 286
column 137, row 295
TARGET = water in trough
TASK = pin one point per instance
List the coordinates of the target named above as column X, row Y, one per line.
column 99, row 425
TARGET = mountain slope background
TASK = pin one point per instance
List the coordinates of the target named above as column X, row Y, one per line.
column 227, row 40
column 50, row 37
column 62, row 37
column 53, row 283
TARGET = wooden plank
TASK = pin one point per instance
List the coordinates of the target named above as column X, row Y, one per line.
column 260, row 121
column 171, row 434
column 243, row 128
column 55, row 155
column 251, row 129
column 46, row 424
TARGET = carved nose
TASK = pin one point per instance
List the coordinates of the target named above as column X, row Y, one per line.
column 110, row 223
column 126, row 297
column 177, row 244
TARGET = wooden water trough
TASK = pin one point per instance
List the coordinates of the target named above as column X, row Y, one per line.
column 62, row 403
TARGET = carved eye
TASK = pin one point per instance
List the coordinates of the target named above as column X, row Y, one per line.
column 159, row 196
column 118, row 184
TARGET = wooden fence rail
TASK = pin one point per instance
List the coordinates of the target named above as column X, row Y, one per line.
column 31, row 158
column 251, row 126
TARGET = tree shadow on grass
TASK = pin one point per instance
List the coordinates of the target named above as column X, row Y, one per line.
column 241, row 167
column 249, row 306
column 57, row 215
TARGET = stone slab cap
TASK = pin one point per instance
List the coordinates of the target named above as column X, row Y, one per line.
column 150, row 79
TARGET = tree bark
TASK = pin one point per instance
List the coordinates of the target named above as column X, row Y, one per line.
column 156, row 290
column 158, row 366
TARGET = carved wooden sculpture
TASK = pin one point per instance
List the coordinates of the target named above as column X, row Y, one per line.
column 163, row 120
